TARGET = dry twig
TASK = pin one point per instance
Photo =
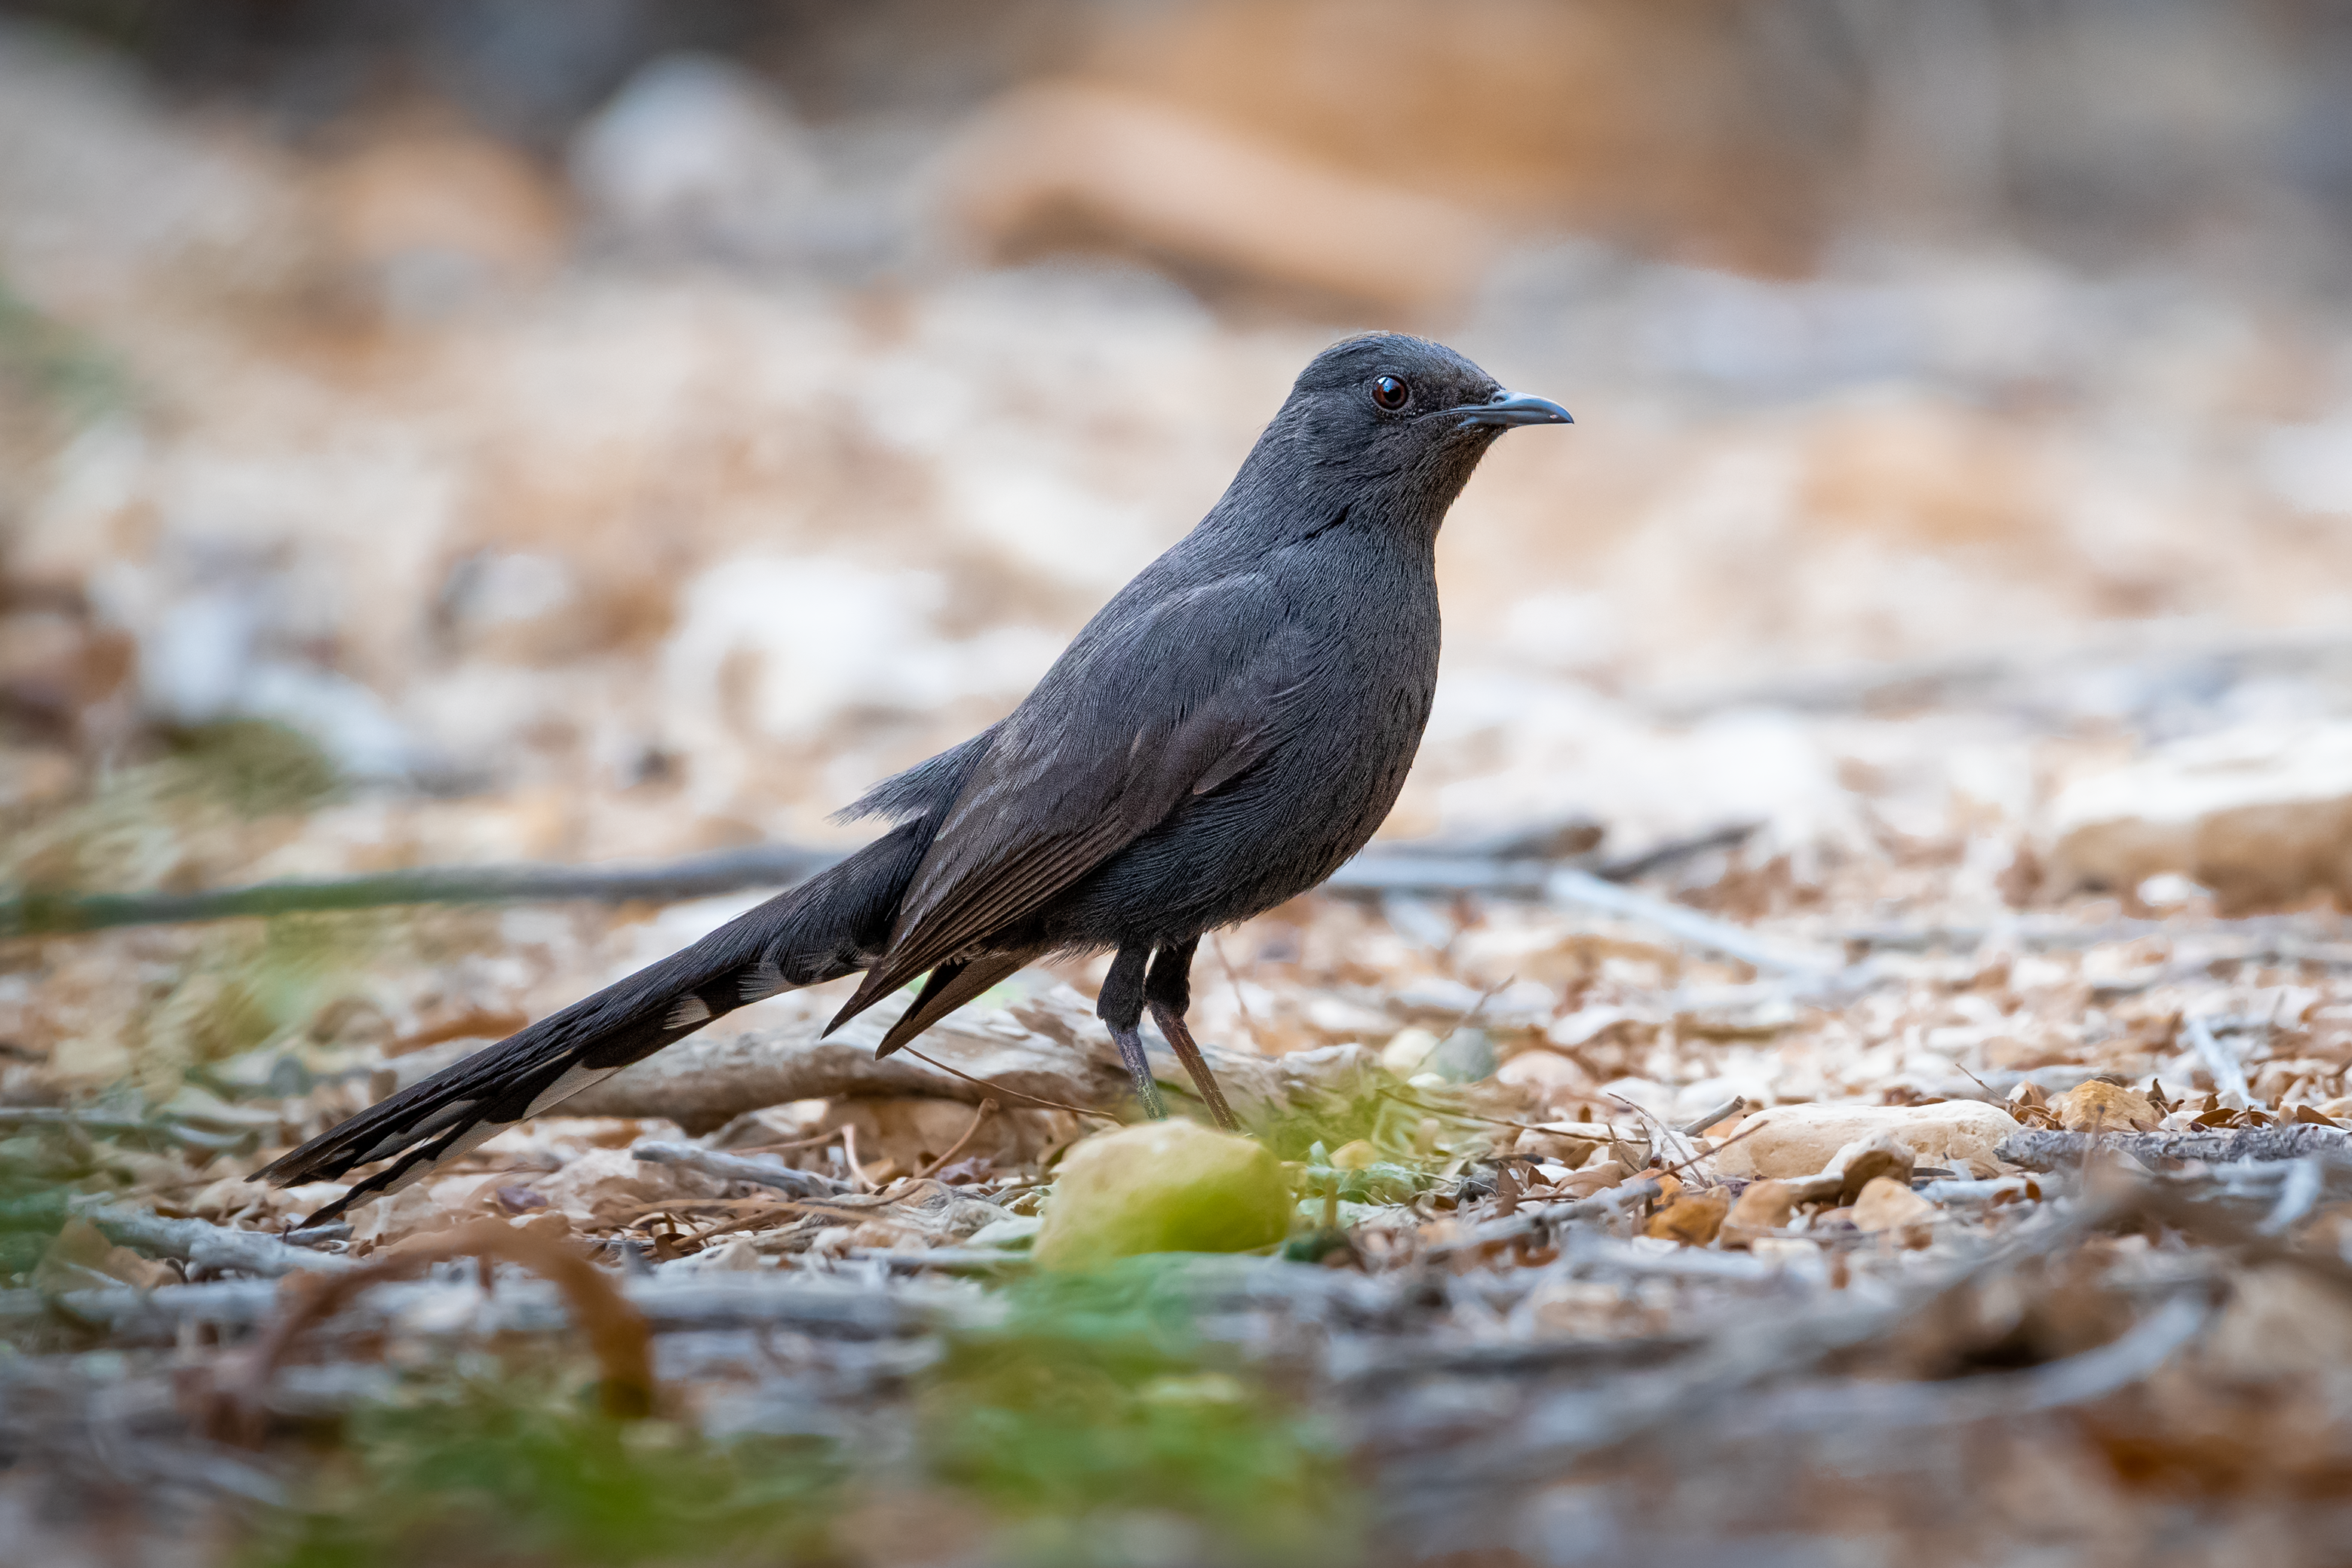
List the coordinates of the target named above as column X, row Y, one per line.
column 978, row 1116
column 616, row 1331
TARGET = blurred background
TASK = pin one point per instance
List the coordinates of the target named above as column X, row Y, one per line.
column 438, row 432
column 444, row 433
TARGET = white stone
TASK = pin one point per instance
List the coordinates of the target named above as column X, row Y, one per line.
column 2260, row 815
column 1791, row 1142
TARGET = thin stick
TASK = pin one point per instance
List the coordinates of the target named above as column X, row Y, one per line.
column 850, row 1151
column 1475, row 1009
column 825, row 1137
column 1403, row 1099
column 1463, row 1022
column 784, row 1210
column 1241, row 1000
column 1009, row 1094
column 1701, row 1123
column 749, row 1222
column 1649, row 1122
column 957, row 1147
column 1676, row 1168
column 655, row 1206
column 1974, row 1079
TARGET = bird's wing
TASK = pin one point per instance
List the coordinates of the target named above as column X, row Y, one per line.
column 1178, row 701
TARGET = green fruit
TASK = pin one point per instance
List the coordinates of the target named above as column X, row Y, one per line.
column 1167, row 1186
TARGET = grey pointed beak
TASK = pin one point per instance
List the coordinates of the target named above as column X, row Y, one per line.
column 1507, row 408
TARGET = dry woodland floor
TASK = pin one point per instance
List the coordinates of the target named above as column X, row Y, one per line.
column 2022, row 1243
column 1840, row 1057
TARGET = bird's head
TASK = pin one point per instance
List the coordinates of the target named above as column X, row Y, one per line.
column 1385, row 409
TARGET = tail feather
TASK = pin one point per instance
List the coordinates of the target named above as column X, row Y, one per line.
column 829, row 926
column 948, row 987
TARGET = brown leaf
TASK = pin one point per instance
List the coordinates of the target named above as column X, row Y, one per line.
column 2097, row 1107
column 1886, row 1204
column 1871, row 1165
column 1567, row 1148
column 1593, row 1179
column 1693, row 1218
column 1764, row 1206
column 80, row 1258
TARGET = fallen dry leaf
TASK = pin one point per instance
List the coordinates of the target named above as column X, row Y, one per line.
column 1880, row 1158
column 2102, row 1107
column 1764, row 1206
column 1887, row 1205
column 80, row 1258
column 1692, row 1218
column 1593, row 1179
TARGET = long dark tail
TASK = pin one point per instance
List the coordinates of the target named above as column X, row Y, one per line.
column 830, row 926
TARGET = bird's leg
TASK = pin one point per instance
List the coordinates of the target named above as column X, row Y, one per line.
column 1120, row 1006
column 1169, row 990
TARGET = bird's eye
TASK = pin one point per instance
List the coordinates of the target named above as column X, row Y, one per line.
column 1390, row 393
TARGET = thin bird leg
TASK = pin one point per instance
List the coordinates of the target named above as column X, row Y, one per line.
column 1179, row 1039
column 1169, row 992
column 1120, row 1006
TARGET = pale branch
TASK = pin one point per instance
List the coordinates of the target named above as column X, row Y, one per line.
column 2053, row 1151
column 1546, row 864
column 758, row 1170
column 2319, row 938
column 1534, row 1219
column 2222, row 1065
column 698, row 876
column 1049, row 1047
column 1871, row 1405
column 2008, row 677
column 1369, row 1364
column 809, row 1304
column 1511, row 865
column 207, row 1245
column 703, row 1081
column 1571, row 888
column 164, row 1128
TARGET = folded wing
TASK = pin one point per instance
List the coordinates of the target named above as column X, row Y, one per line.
column 1176, row 702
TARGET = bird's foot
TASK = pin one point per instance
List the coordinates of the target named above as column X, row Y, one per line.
column 1180, row 1039
column 1138, row 1067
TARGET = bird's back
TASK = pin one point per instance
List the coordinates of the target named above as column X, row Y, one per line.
column 1359, row 608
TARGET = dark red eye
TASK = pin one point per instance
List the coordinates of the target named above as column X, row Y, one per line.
column 1390, row 393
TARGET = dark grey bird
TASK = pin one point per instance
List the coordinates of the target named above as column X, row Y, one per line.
column 1228, row 730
